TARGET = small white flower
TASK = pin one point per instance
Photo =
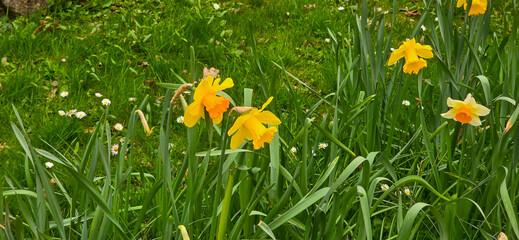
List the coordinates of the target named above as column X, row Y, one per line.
column 313, row 153
column 98, row 94
column 49, row 164
column 323, row 145
column 62, row 113
column 407, row 191
column 118, row 127
column 423, row 28
column 132, row 99
column 327, row 40
column 392, row 49
column 71, row 112
column 64, row 94
column 216, row 6
column 293, row 149
column 63, row 60
column 384, row 187
column 411, row 20
column 379, row 9
column 115, row 149
column 436, row 19
column 406, row 103
column 340, row 8
column 106, row 102
column 180, row 119
column 80, row 115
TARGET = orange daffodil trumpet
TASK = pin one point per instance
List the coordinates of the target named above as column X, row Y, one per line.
column 206, row 99
column 467, row 111
column 411, row 51
column 250, row 126
column 478, row 6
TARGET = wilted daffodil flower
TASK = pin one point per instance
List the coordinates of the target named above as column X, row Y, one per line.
column 411, row 51
column 467, row 111
column 206, row 98
column 250, row 126
column 478, row 6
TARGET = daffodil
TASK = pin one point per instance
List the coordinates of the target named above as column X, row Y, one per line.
column 411, row 51
column 250, row 126
column 478, row 6
column 467, row 111
column 206, row 98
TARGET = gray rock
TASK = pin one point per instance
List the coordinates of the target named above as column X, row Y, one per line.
column 23, row 7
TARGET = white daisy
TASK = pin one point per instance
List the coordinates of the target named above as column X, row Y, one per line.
column 406, row 103
column 436, row 19
column 327, row 40
column 323, row 145
column 49, row 164
column 132, row 99
column 64, row 94
column 98, row 94
column 423, row 28
column 118, row 127
column 62, row 113
column 407, row 191
column 106, row 102
column 216, row 6
column 180, row 119
column 80, row 115
column 340, row 8
column 392, row 49
column 71, row 112
column 384, row 187
column 293, row 149
column 115, row 149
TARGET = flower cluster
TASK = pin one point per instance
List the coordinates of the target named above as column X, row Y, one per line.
column 209, row 100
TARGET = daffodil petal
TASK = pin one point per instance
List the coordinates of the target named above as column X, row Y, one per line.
column 228, row 83
column 461, row 2
column 268, row 117
column 454, row 103
column 237, row 138
column 396, row 55
column 218, row 120
column 193, row 113
column 469, row 99
column 475, row 121
column 424, row 51
column 203, row 87
column 266, row 103
column 237, row 124
column 481, row 110
column 449, row 114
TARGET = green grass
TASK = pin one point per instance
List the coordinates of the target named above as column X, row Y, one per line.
column 462, row 179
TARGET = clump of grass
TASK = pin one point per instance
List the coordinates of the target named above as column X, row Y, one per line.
column 362, row 150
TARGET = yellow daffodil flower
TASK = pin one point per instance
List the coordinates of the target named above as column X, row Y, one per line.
column 205, row 98
column 411, row 51
column 250, row 126
column 467, row 111
column 478, row 6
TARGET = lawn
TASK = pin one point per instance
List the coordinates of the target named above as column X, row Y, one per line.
column 332, row 120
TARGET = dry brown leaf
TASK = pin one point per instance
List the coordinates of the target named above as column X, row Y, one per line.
column 412, row 13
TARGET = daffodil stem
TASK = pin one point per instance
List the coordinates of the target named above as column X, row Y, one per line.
column 219, row 177
column 222, row 226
